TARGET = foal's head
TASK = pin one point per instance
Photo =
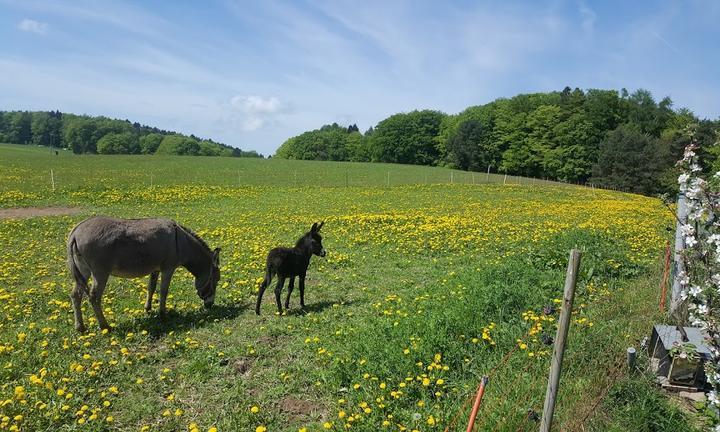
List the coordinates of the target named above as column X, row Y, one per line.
column 206, row 289
column 312, row 241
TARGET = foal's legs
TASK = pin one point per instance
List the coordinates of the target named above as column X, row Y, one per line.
column 164, row 285
column 96, row 293
column 302, row 291
column 291, row 285
column 152, row 284
column 278, row 290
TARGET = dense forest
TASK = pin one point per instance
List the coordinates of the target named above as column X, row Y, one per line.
column 605, row 137
column 86, row 134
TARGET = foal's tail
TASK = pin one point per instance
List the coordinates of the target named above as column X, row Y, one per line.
column 73, row 252
column 263, row 285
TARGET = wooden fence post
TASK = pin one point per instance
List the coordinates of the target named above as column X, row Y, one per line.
column 560, row 340
column 52, row 179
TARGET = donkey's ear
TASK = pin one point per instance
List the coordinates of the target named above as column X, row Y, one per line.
column 314, row 227
column 320, row 226
column 216, row 257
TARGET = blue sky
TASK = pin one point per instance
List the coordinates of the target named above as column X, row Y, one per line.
column 253, row 73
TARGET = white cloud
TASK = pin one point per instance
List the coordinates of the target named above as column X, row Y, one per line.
column 33, row 26
column 252, row 123
column 255, row 110
column 255, row 105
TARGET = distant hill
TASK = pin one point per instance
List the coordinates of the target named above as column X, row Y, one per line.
column 88, row 134
column 611, row 138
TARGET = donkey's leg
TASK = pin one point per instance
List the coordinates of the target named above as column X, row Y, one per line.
column 302, row 291
column 278, row 290
column 152, row 284
column 96, row 293
column 261, row 291
column 164, row 285
column 291, row 285
column 76, row 297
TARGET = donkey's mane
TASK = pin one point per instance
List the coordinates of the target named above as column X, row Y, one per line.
column 299, row 241
column 196, row 237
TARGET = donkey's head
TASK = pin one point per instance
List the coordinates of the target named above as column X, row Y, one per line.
column 206, row 287
column 312, row 241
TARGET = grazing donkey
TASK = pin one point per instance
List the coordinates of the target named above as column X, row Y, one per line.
column 128, row 248
column 291, row 262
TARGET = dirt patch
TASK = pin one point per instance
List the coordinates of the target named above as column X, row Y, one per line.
column 241, row 367
column 299, row 407
column 29, row 212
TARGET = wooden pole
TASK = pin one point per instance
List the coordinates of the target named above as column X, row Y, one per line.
column 388, row 179
column 476, row 405
column 451, row 177
column 487, row 179
column 52, row 179
column 505, row 179
column 560, row 340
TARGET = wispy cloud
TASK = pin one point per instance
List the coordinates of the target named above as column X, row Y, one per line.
column 256, row 109
column 33, row 26
column 588, row 17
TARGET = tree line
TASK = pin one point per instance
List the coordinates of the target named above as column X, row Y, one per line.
column 88, row 134
column 609, row 138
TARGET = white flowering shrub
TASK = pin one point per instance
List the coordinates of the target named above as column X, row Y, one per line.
column 700, row 279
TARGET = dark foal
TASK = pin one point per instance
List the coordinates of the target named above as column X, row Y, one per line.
column 291, row 262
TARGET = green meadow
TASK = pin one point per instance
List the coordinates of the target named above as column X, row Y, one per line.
column 433, row 279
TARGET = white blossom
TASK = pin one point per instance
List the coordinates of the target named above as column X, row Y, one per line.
column 683, row 278
column 687, row 230
column 713, row 398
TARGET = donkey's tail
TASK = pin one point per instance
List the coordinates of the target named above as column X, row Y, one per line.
column 73, row 252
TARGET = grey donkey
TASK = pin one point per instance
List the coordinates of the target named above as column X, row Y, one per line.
column 128, row 248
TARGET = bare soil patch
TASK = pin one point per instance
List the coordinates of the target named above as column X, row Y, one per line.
column 299, row 407
column 29, row 212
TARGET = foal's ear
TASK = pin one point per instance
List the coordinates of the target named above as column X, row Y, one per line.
column 314, row 228
column 320, row 226
column 216, row 257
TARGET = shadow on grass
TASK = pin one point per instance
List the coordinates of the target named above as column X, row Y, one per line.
column 318, row 307
column 159, row 325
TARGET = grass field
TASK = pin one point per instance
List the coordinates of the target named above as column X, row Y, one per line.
column 426, row 287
